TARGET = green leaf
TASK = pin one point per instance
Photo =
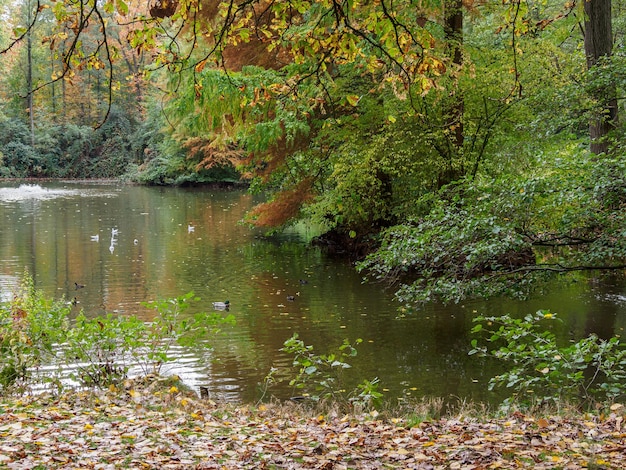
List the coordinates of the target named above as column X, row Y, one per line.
column 122, row 7
column 353, row 100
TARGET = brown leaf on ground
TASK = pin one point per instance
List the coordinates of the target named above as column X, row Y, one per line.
column 167, row 429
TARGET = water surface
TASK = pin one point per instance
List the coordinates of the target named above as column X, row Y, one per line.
column 130, row 244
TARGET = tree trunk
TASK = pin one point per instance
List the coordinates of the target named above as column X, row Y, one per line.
column 53, row 95
column 454, row 36
column 598, row 45
column 453, row 29
column 63, row 93
column 29, row 76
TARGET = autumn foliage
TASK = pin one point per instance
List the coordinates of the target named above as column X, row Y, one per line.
column 141, row 426
column 253, row 42
column 212, row 155
column 283, row 207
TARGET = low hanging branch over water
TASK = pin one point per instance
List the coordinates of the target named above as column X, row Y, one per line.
column 483, row 240
column 560, row 268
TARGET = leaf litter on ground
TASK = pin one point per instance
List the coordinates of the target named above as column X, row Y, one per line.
column 143, row 426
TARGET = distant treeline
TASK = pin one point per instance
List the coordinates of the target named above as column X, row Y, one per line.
column 121, row 148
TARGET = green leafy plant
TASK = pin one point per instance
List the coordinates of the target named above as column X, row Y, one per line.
column 541, row 371
column 30, row 327
column 99, row 349
column 367, row 393
column 509, row 234
column 105, row 347
column 67, row 150
column 321, row 376
column 171, row 325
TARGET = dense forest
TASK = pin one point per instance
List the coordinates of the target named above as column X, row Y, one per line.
column 454, row 147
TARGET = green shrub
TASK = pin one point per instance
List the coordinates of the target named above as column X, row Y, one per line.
column 68, row 150
column 21, row 160
column 103, row 349
column 320, row 376
column 170, row 326
column 13, row 130
column 97, row 351
column 539, row 370
column 30, row 328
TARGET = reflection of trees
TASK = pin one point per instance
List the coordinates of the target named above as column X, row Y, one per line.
column 53, row 241
column 602, row 314
column 221, row 259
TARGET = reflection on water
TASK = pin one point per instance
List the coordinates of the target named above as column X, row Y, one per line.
column 113, row 247
column 8, row 284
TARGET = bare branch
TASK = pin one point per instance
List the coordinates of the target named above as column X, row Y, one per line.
column 105, row 42
column 556, row 267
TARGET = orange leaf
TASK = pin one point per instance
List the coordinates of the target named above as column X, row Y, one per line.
column 200, row 66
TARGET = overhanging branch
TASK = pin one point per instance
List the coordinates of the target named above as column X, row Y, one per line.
column 558, row 268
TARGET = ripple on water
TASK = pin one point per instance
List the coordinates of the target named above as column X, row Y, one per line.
column 8, row 286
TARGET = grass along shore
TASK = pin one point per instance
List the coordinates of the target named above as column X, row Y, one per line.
column 157, row 424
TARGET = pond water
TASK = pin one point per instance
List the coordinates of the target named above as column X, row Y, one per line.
column 129, row 244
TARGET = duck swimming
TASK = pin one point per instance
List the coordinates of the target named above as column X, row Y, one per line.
column 221, row 305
